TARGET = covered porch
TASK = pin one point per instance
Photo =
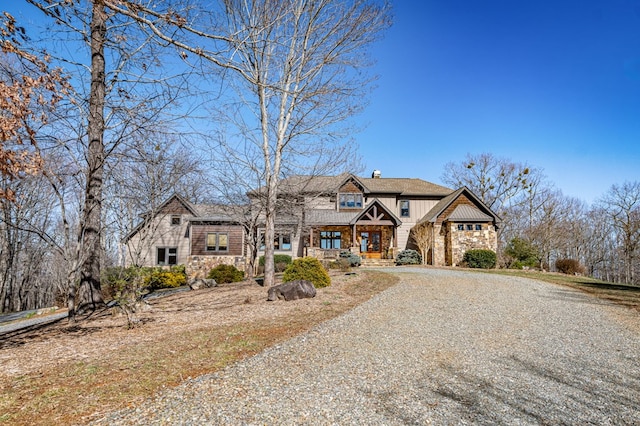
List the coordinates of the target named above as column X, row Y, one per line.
column 370, row 233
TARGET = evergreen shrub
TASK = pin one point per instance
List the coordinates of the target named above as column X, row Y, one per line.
column 157, row 278
column 307, row 268
column 523, row 253
column 280, row 262
column 351, row 258
column 480, row 258
column 408, row 257
column 226, row 274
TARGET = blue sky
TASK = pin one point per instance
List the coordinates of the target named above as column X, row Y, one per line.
column 555, row 84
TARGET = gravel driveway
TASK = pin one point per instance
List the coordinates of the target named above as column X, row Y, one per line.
column 441, row 347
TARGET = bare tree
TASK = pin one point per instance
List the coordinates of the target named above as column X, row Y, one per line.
column 500, row 183
column 24, row 257
column 515, row 191
column 422, row 236
column 28, row 87
column 121, row 90
column 143, row 177
column 622, row 207
column 296, row 67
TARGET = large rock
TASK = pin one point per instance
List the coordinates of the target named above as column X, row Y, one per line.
column 293, row 290
column 198, row 283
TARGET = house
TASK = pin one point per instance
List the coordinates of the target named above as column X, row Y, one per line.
column 321, row 216
column 181, row 233
column 377, row 217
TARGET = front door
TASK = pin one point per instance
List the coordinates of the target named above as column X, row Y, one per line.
column 370, row 247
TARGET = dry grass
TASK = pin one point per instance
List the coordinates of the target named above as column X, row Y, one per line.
column 62, row 374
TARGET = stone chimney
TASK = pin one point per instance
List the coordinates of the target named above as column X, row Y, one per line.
column 376, row 174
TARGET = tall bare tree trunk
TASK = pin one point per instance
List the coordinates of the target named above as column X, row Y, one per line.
column 89, row 295
column 269, row 232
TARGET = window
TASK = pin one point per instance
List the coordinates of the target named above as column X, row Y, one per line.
column 167, row 255
column 330, row 239
column 281, row 241
column 217, row 241
column 470, row 227
column 404, row 208
column 175, row 220
column 351, row 201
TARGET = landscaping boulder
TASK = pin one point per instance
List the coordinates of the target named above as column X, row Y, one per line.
column 198, row 283
column 293, row 290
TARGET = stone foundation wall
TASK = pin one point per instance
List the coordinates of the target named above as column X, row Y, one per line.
column 199, row 266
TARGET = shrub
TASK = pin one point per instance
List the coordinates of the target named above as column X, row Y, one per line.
column 351, row 258
column 408, row 257
column 280, row 262
column 569, row 266
column 523, row 253
column 126, row 287
column 226, row 274
column 307, row 268
column 162, row 278
column 342, row 264
column 114, row 279
column 479, row 258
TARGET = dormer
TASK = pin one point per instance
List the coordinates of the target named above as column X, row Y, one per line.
column 350, row 195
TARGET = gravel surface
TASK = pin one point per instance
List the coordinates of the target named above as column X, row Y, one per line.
column 29, row 322
column 441, row 347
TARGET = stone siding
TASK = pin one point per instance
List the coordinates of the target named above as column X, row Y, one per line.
column 439, row 244
column 461, row 241
column 199, row 266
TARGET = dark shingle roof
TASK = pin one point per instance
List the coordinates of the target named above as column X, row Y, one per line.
column 404, row 186
column 331, row 184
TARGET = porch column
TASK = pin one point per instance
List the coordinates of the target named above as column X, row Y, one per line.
column 354, row 240
column 311, row 237
column 392, row 249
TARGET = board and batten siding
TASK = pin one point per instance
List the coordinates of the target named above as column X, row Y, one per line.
column 199, row 239
column 418, row 208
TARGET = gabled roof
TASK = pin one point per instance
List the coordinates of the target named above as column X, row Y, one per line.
column 331, row 184
column 151, row 214
column 404, row 187
column 200, row 212
column 368, row 207
column 333, row 217
column 467, row 213
column 461, row 213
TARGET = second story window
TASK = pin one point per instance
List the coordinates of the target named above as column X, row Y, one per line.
column 404, row 208
column 175, row 220
column 351, row 201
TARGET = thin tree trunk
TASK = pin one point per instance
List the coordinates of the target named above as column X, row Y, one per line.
column 269, row 234
column 89, row 292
